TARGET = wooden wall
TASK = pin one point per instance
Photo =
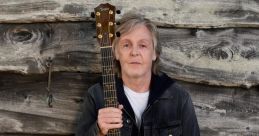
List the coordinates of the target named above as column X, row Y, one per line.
column 210, row 47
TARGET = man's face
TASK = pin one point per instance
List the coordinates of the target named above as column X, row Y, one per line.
column 135, row 52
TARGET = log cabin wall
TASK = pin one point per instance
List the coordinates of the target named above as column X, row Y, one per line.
column 210, row 47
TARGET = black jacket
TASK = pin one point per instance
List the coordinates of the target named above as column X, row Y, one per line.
column 169, row 112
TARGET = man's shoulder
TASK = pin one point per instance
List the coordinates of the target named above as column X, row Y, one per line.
column 180, row 90
column 94, row 87
column 95, row 90
column 95, row 93
column 174, row 88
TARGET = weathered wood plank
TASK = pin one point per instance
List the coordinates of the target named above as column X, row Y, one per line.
column 12, row 122
column 26, row 47
column 225, row 111
column 177, row 13
column 24, row 108
column 226, row 57
column 220, row 111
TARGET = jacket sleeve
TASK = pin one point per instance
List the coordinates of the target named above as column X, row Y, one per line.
column 190, row 123
column 87, row 123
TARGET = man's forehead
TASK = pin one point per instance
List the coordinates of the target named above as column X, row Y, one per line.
column 139, row 31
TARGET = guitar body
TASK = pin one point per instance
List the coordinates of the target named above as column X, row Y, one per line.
column 105, row 28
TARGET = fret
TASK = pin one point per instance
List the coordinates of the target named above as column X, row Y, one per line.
column 108, row 70
column 109, row 75
column 114, row 131
column 107, row 63
column 108, row 78
column 106, row 49
column 110, row 66
column 109, row 83
column 110, row 92
column 108, row 87
column 112, row 98
column 107, row 57
column 111, row 101
column 111, row 105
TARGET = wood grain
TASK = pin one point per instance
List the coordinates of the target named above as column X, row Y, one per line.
column 221, row 111
column 24, row 108
column 169, row 13
column 227, row 57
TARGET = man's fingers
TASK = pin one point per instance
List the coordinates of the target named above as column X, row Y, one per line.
column 110, row 115
column 113, row 126
column 106, row 126
column 111, row 120
column 110, row 110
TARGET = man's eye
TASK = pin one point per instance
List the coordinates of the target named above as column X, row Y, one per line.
column 125, row 45
column 143, row 46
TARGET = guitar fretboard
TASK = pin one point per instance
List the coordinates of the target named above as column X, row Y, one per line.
column 108, row 77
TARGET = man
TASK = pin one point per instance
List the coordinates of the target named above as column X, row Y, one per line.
column 151, row 103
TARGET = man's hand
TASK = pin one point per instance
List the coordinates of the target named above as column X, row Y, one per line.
column 109, row 118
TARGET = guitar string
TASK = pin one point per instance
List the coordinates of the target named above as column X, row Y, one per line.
column 116, row 131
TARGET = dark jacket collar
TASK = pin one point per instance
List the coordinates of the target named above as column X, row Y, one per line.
column 158, row 86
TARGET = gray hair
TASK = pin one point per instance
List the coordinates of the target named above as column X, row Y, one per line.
column 127, row 23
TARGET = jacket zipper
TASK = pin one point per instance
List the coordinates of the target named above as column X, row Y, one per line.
column 148, row 107
column 130, row 117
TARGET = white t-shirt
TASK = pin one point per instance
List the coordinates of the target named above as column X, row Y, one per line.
column 138, row 102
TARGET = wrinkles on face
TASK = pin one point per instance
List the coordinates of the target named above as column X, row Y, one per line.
column 135, row 52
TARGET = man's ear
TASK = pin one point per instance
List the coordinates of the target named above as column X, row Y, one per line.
column 154, row 56
column 116, row 54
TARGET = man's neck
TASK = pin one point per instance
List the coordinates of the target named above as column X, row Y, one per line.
column 138, row 84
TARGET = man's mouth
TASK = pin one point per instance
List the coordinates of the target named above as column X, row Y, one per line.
column 135, row 63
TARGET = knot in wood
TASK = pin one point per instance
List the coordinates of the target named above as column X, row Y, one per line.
column 22, row 35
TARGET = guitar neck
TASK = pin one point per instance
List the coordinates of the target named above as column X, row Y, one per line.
column 108, row 77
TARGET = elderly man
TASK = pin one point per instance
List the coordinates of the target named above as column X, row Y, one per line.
column 151, row 103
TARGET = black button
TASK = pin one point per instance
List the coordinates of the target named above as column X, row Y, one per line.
column 128, row 121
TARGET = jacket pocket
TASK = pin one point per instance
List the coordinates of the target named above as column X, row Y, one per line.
column 171, row 128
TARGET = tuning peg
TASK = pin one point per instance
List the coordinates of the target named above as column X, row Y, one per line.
column 118, row 11
column 92, row 14
column 118, row 34
column 117, row 23
column 95, row 36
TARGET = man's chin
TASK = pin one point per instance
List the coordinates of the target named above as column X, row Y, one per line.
column 136, row 74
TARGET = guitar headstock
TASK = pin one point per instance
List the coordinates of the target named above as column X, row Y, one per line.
column 105, row 24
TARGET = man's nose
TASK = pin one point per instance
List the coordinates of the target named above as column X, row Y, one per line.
column 135, row 51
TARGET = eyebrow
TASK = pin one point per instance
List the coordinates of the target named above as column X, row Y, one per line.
column 141, row 40
column 144, row 40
